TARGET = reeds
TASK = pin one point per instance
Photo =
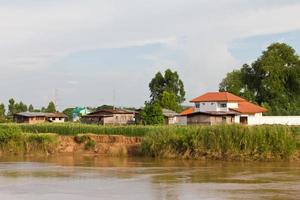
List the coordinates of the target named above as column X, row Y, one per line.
column 223, row 142
column 228, row 142
column 14, row 141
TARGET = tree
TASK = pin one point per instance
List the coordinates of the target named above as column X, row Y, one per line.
column 11, row 107
column 2, row 113
column 169, row 101
column 170, row 82
column 20, row 107
column 51, row 107
column 152, row 114
column 30, row 108
column 272, row 80
column 69, row 113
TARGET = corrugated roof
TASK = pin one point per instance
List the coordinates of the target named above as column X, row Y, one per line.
column 169, row 113
column 56, row 114
column 218, row 97
column 32, row 114
column 41, row 114
column 110, row 111
column 247, row 108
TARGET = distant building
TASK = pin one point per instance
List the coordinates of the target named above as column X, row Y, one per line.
column 170, row 116
column 110, row 116
column 221, row 107
column 78, row 113
column 39, row 117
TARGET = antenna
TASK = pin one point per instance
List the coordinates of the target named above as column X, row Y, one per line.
column 55, row 99
column 114, row 98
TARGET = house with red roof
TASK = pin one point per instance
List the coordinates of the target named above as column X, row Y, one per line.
column 221, row 107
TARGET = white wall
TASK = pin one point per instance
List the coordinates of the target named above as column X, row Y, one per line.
column 284, row 120
column 57, row 120
column 207, row 106
column 216, row 106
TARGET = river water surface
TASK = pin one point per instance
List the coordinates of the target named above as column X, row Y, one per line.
column 80, row 177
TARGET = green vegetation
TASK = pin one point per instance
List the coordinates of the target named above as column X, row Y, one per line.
column 152, row 114
column 273, row 80
column 224, row 142
column 13, row 140
column 89, row 145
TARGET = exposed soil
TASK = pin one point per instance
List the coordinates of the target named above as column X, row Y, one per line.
column 99, row 144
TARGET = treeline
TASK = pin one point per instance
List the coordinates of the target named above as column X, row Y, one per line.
column 17, row 107
column 273, row 80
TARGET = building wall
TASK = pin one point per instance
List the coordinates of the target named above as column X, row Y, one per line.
column 29, row 120
column 215, row 106
column 221, row 120
column 206, row 106
column 284, row 120
column 119, row 119
column 198, row 119
column 182, row 120
column 57, row 119
column 211, row 120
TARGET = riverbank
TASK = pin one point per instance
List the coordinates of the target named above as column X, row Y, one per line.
column 181, row 142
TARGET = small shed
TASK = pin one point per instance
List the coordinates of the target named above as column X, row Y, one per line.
column 171, row 117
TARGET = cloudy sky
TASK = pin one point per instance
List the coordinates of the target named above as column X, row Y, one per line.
column 94, row 51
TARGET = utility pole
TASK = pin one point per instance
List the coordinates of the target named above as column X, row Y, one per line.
column 114, row 98
column 55, row 98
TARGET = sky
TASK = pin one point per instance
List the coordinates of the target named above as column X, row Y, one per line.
column 94, row 52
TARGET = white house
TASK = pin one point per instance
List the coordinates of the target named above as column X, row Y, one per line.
column 224, row 107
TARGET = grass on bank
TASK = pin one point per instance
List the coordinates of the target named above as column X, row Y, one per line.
column 13, row 140
column 225, row 142
column 216, row 142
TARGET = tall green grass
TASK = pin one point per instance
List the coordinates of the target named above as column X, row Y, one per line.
column 223, row 142
column 216, row 142
column 13, row 140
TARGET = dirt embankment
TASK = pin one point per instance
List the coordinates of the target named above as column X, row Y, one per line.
column 99, row 144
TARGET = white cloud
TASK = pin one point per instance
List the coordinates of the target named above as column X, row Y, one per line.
column 34, row 35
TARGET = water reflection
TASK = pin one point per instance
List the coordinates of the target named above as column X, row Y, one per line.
column 96, row 177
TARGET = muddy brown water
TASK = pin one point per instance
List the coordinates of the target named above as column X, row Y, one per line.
column 88, row 177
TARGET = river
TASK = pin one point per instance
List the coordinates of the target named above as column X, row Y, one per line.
column 89, row 178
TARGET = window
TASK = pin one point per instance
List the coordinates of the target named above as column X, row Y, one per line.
column 223, row 105
column 203, row 104
column 197, row 105
column 212, row 103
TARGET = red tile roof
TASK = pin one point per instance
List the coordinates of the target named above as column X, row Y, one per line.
column 247, row 108
column 218, row 97
column 187, row 111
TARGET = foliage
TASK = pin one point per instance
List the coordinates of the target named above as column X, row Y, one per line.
column 51, row 107
column 89, row 145
column 222, row 142
column 273, row 80
column 69, row 113
column 152, row 114
column 169, row 82
column 13, row 140
column 30, row 108
column 109, row 107
column 227, row 142
column 14, row 107
column 2, row 113
column 169, row 101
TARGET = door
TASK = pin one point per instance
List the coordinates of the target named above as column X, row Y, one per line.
column 243, row 120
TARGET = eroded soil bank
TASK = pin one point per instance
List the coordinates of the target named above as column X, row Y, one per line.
column 99, row 144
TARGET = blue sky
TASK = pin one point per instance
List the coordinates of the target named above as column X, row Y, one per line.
column 90, row 51
column 248, row 49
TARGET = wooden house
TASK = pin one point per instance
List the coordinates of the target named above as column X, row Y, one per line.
column 110, row 116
